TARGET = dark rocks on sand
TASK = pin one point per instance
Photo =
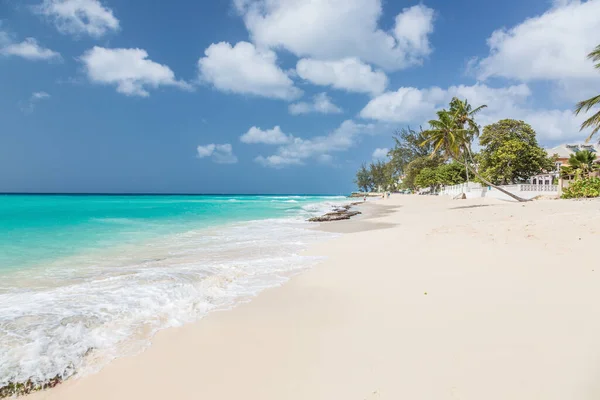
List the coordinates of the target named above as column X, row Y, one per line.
column 338, row 214
column 22, row 388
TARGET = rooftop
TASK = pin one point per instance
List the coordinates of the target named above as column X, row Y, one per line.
column 565, row 150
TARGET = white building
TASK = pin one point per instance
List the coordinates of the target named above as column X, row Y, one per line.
column 563, row 152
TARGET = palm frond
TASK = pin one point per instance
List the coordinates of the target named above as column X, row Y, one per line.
column 595, row 56
column 593, row 121
column 478, row 109
column 585, row 105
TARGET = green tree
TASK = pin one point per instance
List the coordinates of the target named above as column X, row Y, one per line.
column 416, row 166
column 407, row 148
column 380, row 175
column 464, row 114
column 452, row 174
column 511, row 153
column 455, row 143
column 464, row 118
column 581, row 163
column 363, row 179
column 428, row 177
column 392, row 177
column 445, row 136
column 585, row 106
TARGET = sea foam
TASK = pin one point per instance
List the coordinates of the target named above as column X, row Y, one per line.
column 74, row 314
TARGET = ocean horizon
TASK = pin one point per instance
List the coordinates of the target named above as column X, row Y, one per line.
column 85, row 278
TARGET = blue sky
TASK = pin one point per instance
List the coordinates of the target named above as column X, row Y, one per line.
column 267, row 96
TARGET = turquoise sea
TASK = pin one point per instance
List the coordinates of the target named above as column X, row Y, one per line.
column 86, row 278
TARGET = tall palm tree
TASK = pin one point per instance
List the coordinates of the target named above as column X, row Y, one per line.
column 455, row 143
column 586, row 105
column 464, row 114
column 444, row 127
column 464, row 117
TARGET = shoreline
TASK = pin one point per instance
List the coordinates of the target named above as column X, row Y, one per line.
column 229, row 263
column 461, row 299
column 354, row 221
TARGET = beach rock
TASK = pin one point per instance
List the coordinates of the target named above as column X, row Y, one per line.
column 335, row 216
column 23, row 388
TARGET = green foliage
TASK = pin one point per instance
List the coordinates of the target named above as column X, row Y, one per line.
column 583, row 161
column 416, row 166
column 511, row 153
column 446, row 136
column 581, row 164
column 379, row 175
column 427, row 177
column 584, row 106
column 407, row 148
column 464, row 114
column 453, row 139
column 452, row 174
column 363, row 179
column 444, row 174
column 582, row 188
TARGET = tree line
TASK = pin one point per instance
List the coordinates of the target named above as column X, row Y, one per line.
column 443, row 154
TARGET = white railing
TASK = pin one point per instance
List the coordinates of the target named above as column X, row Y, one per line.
column 473, row 190
column 538, row 188
column 463, row 187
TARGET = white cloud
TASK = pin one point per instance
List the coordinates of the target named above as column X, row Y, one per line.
column 554, row 125
column 347, row 74
column 404, row 105
column 40, row 95
column 28, row 49
column 416, row 106
column 269, row 136
column 552, row 47
column 325, row 159
column 79, row 16
column 412, row 30
column 380, row 154
column 129, row 69
column 244, row 69
column 321, row 104
column 276, row 161
column 409, row 104
column 298, row 150
column 36, row 97
column 336, row 29
column 219, row 153
column 206, row 151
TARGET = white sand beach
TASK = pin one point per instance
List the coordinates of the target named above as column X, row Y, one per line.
column 423, row 298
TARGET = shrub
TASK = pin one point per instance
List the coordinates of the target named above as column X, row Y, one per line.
column 580, row 188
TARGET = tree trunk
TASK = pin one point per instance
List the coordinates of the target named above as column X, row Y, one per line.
column 506, row 192
column 467, row 169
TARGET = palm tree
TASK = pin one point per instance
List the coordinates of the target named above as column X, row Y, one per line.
column 584, row 161
column 445, row 128
column 464, row 115
column 586, row 105
column 455, row 142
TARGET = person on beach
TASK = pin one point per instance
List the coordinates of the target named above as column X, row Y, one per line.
column 365, row 198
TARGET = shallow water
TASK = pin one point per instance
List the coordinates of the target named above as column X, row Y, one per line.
column 84, row 279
